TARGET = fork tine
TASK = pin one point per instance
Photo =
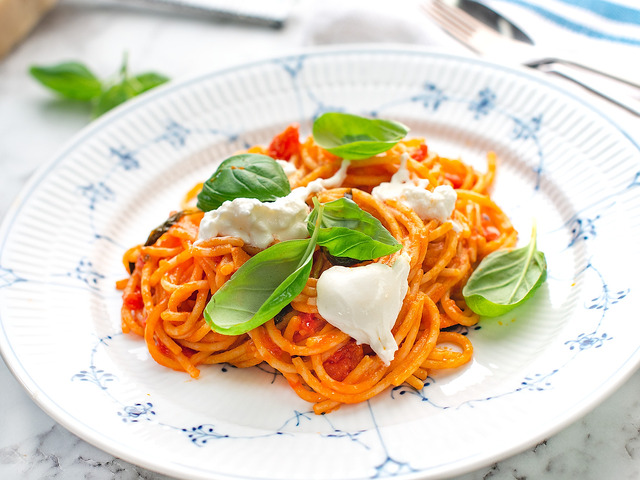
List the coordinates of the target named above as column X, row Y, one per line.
column 450, row 25
column 443, row 18
column 456, row 16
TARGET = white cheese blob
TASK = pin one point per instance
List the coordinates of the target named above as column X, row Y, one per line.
column 413, row 193
column 288, row 167
column 364, row 302
column 262, row 223
column 258, row 223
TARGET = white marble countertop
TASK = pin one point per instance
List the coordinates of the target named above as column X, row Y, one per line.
column 34, row 124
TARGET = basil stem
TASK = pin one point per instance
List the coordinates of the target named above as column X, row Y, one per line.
column 348, row 231
column 247, row 175
column 353, row 137
column 506, row 279
column 262, row 287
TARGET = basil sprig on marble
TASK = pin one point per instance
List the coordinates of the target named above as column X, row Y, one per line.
column 75, row 81
column 248, row 175
column 348, row 231
column 353, row 137
column 262, row 286
column 506, row 279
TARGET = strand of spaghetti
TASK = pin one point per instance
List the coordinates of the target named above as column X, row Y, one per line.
column 351, row 385
column 308, row 395
column 224, row 269
column 415, row 382
column 166, row 265
column 149, row 338
column 416, row 242
column 176, row 351
column 317, row 386
column 315, row 345
column 239, row 257
column 293, row 324
column 456, row 314
column 202, row 330
column 323, row 171
column 185, row 329
column 421, row 373
column 208, row 266
column 301, row 304
column 449, row 253
column 130, row 256
column 234, row 355
column 160, row 251
column 308, row 160
column 145, row 284
column 209, row 347
column 479, row 198
column 423, row 346
column 368, row 368
column 260, row 338
column 454, row 359
column 412, row 321
column 130, row 290
column 440, row 231
column 484, row 181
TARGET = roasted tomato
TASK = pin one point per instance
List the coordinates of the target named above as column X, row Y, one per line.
column 344, row 360
column 133, row 299
column 286, row 144
column 309, row 324
column 421, row 153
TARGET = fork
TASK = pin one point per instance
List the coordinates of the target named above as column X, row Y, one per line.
column 486, row 42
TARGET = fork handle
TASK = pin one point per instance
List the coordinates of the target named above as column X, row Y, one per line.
column 579, row 66
column 619, row 91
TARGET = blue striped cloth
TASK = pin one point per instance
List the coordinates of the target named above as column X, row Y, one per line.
column 602, row 33
column 617, row 22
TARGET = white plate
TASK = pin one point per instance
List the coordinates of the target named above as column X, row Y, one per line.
column 533, row 371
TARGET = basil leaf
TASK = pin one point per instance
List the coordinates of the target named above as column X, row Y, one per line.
column 146, row 81
column 70, row 79
column 262, row 286
column 348, row 231
column 244, row 176
column 505, row 279
column 114, row 96
column 353, row 137
column 126, row 90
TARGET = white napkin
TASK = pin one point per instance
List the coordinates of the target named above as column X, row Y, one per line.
column 601, row 33
column 370, row 21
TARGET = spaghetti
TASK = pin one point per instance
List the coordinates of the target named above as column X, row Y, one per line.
column 172, row 278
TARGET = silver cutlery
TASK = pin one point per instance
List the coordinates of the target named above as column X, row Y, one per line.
column 271, row 13
column 487, row 42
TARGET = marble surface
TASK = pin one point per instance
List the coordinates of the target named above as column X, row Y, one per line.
column 34, row 124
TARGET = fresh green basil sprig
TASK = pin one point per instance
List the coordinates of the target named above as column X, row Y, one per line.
column 75, row 81
column 247, row 175
column 353, row 137
column 348, row 231
column 505, row 279
column 268, row 281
